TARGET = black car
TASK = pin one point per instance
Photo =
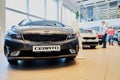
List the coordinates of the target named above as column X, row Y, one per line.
column 41, row 39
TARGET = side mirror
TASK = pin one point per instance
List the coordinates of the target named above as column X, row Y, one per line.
column 24, row 22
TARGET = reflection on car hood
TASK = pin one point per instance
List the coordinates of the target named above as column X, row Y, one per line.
column 42, row 29
column 87, row 35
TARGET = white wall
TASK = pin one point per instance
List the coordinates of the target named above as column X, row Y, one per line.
column 41, row 8
column 49, row 9
column 2, row 22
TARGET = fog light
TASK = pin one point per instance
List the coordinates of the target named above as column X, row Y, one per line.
column 15, row 53
column 72, row 50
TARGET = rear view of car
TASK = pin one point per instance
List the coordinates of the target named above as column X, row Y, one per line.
column 40, row 40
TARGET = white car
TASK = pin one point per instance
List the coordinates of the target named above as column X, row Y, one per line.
column 89, row 38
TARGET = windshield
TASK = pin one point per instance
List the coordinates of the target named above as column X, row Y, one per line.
column 86, row 31
column 44, row 23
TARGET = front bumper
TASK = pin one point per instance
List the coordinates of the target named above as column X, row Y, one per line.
column 26, row 49
column 90, row 43
column 100, row 41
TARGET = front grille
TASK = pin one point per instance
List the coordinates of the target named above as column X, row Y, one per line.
column 92, row 43
column 46, row 37
column 89, row 37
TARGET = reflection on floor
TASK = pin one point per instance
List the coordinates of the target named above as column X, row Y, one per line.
column 97, row 64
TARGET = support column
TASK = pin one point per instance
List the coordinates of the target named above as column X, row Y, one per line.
column 27, row 8
column 80, row 54
column 58, row 9
column 2, row 23
column 45, row 9
column 61, row 11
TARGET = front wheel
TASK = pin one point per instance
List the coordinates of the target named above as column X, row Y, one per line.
column 70, row 58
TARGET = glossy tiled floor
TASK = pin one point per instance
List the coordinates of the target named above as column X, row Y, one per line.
column 93, row 64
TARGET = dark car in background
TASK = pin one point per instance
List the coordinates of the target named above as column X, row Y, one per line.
column 116, row 36
column 43, row 39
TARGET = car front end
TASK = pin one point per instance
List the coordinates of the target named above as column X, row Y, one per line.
column 25, row 49
column 40, row 43
column 90, row 41
column 89, row 38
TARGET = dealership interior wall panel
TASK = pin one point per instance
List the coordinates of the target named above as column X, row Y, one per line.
column 2, row 23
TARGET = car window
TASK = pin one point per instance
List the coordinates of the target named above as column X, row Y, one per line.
column 86, row 31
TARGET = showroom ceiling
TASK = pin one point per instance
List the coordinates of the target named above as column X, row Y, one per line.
column 79, row 3
column 100, row 9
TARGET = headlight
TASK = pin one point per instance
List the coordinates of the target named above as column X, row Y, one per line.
column 14, row 35
column 71, row 36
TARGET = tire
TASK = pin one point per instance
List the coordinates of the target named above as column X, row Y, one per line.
column 70, row 58
column 92, row 47
column 100, row 43
column 5, row 51
column 13, row 61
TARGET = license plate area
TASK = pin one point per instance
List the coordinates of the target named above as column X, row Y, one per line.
column 86, row 45
column 46, row 48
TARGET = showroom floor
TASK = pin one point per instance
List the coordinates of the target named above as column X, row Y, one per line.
column 93, row 64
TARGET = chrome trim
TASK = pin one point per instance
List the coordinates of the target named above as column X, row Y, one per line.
column 44, row 34
column 30, row 58
column 7, row 51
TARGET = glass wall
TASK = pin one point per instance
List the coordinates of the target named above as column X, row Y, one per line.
column 36, row 7
column 13, row 16
column 99, row 11
column 16, row 4
column 17, row 10
column 68, row 16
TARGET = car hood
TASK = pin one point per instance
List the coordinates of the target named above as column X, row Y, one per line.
column 42, row 29
column 87, row 35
